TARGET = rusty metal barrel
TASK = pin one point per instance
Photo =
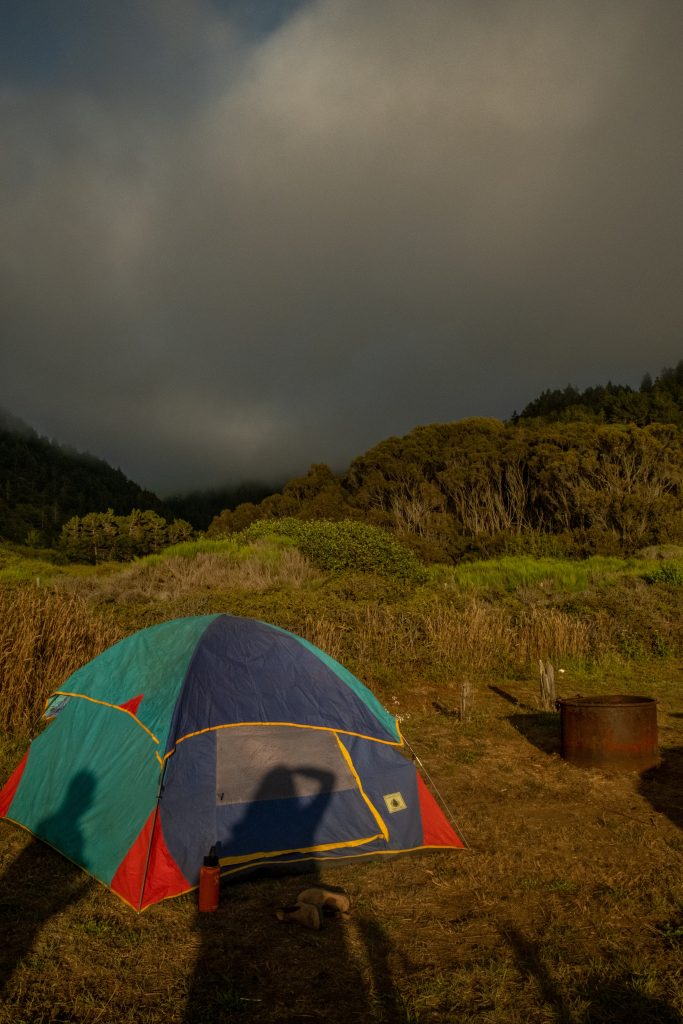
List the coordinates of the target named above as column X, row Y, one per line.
column 610, row 732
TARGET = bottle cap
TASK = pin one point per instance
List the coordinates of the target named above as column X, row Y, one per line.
column 211, row 861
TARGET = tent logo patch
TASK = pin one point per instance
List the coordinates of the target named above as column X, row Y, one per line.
column 394, row 802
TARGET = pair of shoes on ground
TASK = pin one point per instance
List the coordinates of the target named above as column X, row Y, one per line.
column 311, row 906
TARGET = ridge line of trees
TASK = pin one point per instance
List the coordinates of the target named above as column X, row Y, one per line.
column 658, row 401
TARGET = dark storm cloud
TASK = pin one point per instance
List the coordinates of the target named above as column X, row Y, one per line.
column 232, row 249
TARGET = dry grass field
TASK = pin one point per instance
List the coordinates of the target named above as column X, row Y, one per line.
column 567, row 906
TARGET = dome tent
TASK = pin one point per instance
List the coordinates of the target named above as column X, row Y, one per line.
column 218, row 731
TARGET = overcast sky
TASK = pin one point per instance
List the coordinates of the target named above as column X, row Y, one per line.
column 237, row 238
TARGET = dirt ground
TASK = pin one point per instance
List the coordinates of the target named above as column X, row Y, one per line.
column 568, row 905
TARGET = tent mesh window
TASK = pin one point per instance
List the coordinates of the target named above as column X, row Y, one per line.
column 272, row 762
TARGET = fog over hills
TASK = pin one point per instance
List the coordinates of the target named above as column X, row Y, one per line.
column 234, row 244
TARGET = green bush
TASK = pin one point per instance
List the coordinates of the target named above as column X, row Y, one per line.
column 343, row 545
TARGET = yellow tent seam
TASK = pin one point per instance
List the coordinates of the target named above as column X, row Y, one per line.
column 268, row 863
column 107, row 704
column 322, row 848
column 290, row 725
column 375, row 813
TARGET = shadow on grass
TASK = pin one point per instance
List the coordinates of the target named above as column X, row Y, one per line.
column 540, row 728
column 255, row 967
column 40, row 883
column 663, row 786
column 506, row 696
column 615, row 1000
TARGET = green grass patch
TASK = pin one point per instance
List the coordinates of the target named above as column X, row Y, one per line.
column 26, row 565
column 669, row 573
column 229, row 547
column 21, row 565
column 573, row 576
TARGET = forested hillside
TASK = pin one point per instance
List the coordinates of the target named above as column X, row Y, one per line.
column 598, row 471
column 199, row 507
column 576, row 472
column 481, row 487
column 44, row 484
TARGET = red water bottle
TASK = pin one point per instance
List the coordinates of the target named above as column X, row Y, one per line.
column 209, row 882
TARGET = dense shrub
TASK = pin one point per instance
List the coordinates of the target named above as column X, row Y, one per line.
column 339, row 546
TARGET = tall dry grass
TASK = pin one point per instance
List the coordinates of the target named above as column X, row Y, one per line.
column 477, row 638
column 176, row 576
column 44, row 637
column 483, row 636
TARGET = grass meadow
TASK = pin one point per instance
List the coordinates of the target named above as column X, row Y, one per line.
column 566, row 907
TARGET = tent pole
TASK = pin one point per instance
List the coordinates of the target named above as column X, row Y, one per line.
column 151, row 833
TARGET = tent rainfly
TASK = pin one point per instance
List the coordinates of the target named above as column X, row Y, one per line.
column 218, row 731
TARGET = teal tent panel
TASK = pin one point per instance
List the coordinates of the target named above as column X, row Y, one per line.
column 90, row 784
column 361, row 691
column 152, row 663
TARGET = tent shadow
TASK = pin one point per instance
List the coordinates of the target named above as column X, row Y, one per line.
column 662, row 787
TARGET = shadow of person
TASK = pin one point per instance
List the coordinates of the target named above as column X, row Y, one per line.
column 615, row 1000
column 249, row 962
column 377, row 950
column 41, row 883
column 529, row 962
column 663, row 786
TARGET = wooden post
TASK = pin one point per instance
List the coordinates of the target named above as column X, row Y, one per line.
column 465, row 699
column 548, row 697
